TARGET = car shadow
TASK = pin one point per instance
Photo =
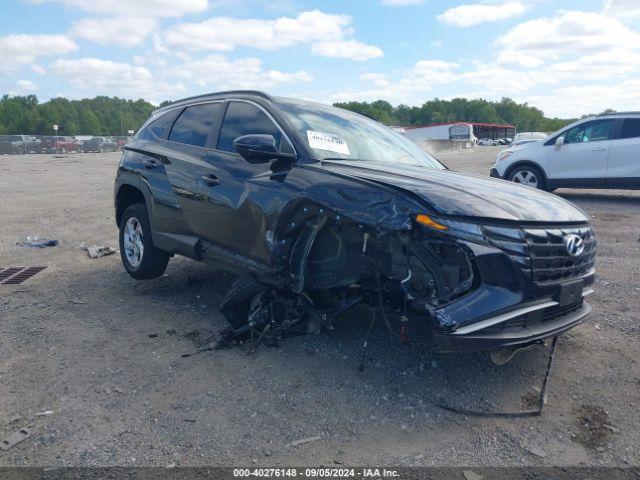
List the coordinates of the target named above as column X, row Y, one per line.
column 185, row 302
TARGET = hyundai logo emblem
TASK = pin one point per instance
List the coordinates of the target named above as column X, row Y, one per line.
column 574, row 244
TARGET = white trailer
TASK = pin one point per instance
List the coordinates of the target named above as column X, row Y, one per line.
column 443, row 136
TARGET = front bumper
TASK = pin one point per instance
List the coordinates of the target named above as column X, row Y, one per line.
column 494, row 173
column 548, row 321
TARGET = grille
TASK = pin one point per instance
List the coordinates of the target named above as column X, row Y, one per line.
column 541, row 252
column 17, row 275
column 550, row 261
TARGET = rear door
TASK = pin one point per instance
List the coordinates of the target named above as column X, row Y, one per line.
column 583, row 157
column 623, row 168
column 191, row 166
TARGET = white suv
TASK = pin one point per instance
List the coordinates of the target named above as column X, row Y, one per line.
column 595, row 152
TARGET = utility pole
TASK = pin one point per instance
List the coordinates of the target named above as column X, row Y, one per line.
column 55, row 129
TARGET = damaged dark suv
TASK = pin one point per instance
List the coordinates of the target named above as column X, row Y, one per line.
column 319, row 209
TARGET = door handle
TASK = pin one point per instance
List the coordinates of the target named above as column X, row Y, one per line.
column 150, row 163
column 598, row 149
column 210, row 180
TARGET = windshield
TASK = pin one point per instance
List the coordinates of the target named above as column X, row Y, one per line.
column 337, row 134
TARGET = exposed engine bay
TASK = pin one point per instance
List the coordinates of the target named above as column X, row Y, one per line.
column 334, row 264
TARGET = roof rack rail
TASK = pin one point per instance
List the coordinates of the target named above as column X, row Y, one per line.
column 257, row 93
column 636, row 112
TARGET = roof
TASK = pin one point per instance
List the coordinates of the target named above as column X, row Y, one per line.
column 205, row 96
column 475, row 124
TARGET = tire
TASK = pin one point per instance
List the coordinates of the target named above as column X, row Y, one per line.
column 235, row 304
column 148, row 261
column 528, row 175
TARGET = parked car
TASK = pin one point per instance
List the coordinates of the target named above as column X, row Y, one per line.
column 527, row 137
column 120, row 141
column 99, row 144
column 596, row 152
column 18, row 144
column 319, row 209
column 60, row 144
column 487, row 142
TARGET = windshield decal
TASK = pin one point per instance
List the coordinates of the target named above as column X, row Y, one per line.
column 327, row 141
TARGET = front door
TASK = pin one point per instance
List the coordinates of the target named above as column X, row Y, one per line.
column 239, row 204
column 583, row 156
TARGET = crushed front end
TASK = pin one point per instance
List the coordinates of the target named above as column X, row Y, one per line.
column 477, row 285
column 473, row 284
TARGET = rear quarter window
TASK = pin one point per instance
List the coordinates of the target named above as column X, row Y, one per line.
column 630, row 128
column 160, row 126
column 195, row 125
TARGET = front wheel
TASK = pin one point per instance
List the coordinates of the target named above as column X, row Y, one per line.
column 140, row 257
column 528, row 175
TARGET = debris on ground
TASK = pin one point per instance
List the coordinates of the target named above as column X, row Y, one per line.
column 471, row 475
column 97, row 251
column 15, row 438
column 46, row 413
column 534, row 450
column 593, row 428
column 35, row 242
column 302, row 441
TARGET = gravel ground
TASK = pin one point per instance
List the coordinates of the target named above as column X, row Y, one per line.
column 103, row 353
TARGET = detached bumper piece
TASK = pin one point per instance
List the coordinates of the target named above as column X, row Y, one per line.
column 520, row 327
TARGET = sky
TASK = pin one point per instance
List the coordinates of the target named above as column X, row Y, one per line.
column 567, row 58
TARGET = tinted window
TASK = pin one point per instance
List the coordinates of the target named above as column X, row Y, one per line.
column 161, row 125
column 245, row 118
column 590, row 131
column 194, row 125
column 630, row 128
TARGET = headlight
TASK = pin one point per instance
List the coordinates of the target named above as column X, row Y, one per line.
column 454, row 228
column 503, row 155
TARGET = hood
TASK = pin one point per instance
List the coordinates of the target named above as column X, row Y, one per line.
column 463, row 194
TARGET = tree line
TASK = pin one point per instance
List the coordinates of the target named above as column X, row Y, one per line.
column 115, row 116
column 525, row 117
column 89, row 116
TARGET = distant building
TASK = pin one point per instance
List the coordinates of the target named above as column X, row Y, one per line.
column 457, row 134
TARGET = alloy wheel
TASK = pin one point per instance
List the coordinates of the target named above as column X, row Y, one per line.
column 526, row 177
column 133, row 242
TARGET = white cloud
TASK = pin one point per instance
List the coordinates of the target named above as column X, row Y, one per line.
column 569, row 33
column 24, row 86
column 406, row 86
column 436, row 44
column 378, row 79
column 136, row 8
column 94, row 76
column 624, row 10
column 127, row 32
column 19, row 50
column 329, row 35
column 401, row 3
column 474, row 14
column 218, row 72
column 351, row 49
column 577, row 100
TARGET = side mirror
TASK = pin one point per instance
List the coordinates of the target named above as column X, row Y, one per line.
column 559, row 142
column 259, row 148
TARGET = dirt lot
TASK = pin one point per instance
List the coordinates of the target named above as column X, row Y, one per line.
column 103, row 353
